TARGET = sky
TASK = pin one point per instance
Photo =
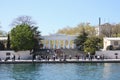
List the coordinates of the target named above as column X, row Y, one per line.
column 52, row 15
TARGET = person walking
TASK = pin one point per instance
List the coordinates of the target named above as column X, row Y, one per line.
column 13, row 58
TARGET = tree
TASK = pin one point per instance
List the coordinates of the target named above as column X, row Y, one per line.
column 8, row 42
column 92, row 44
column 27, row 20
column 2, row 47
column 81, row 39
column 37, row 38
column 106, row 30
column 22, row 37
column 90, row 30
column 116, row 30
column 23, row 20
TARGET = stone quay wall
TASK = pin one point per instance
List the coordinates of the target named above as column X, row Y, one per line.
column 25, row 55
column 109, row 54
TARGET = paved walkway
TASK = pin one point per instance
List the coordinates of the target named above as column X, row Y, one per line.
column 58, row 61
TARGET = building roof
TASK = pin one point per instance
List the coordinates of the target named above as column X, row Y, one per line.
column 59, row 37
column 112, row 38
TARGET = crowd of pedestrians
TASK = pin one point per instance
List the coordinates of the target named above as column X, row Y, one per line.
column 65, row 57
column 59, row 57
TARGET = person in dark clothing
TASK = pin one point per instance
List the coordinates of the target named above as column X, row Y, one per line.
column 13, row 57
column 18, row 57
column 65, row 58
column 33, row 57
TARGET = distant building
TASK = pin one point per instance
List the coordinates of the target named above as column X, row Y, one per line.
column 57, row 41
column 114, row 41
column 3, row 38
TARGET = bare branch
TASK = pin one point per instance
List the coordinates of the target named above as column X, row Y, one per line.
column 23, row 20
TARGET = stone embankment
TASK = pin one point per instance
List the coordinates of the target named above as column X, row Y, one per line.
column 61, row 61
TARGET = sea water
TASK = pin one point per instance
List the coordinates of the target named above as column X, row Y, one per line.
column 60, row 71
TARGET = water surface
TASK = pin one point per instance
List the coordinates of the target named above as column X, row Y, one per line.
column 60, row 71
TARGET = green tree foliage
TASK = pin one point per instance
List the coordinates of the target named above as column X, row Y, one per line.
column 22, row 37
column 2, row 47
column 92, row 44
column 81, row 39
column 28, row 21
column 37, row 39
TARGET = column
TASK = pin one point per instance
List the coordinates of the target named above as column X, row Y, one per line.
column 49, row 44
column 54, row 44
column 58, row 44
column 64, row 45
column 44, row 44
column 68, row 44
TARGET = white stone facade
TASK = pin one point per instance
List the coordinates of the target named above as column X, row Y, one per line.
column 57, row 41
column 2, row 38
column 114, row 41
column 24, row 55
column 109, row 54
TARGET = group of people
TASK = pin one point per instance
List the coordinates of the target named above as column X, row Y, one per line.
column 54, row 57
column 13, row 58
column 64, row 57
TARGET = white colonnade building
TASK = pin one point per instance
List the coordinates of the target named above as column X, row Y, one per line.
column 57, row 41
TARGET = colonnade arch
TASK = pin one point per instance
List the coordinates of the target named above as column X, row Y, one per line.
column 58, row 41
